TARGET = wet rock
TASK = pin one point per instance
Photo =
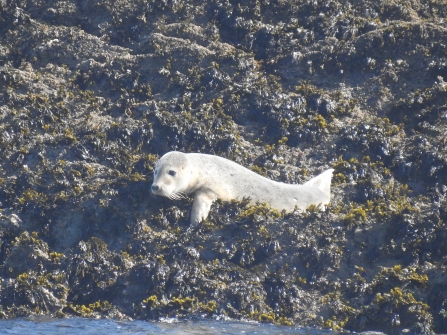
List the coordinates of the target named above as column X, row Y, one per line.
column 10, row 225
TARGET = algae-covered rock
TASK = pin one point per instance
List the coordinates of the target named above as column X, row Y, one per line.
column 93, row 93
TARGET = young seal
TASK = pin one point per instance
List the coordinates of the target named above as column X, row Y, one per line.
column 209, row 177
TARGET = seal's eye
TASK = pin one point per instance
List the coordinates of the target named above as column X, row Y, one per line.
column 172, row 173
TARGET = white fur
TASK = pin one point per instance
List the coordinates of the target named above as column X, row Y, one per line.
column 209, row 177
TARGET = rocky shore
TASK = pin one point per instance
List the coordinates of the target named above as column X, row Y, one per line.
column 92, row 93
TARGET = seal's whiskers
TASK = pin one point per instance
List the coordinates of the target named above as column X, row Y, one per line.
column 177, row 196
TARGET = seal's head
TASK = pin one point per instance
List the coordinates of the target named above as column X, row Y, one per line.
column 171, row 175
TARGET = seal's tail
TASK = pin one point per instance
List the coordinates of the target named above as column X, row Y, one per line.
column 322, row 181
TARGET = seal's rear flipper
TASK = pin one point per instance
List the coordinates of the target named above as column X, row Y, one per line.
column 322, row 181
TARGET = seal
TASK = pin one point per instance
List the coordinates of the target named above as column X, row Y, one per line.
column 209, row 177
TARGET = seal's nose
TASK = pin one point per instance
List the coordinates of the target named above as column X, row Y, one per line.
column 155, row 188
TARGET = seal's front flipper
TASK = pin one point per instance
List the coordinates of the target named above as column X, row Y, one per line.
column 201, row 206
column 322, row 181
